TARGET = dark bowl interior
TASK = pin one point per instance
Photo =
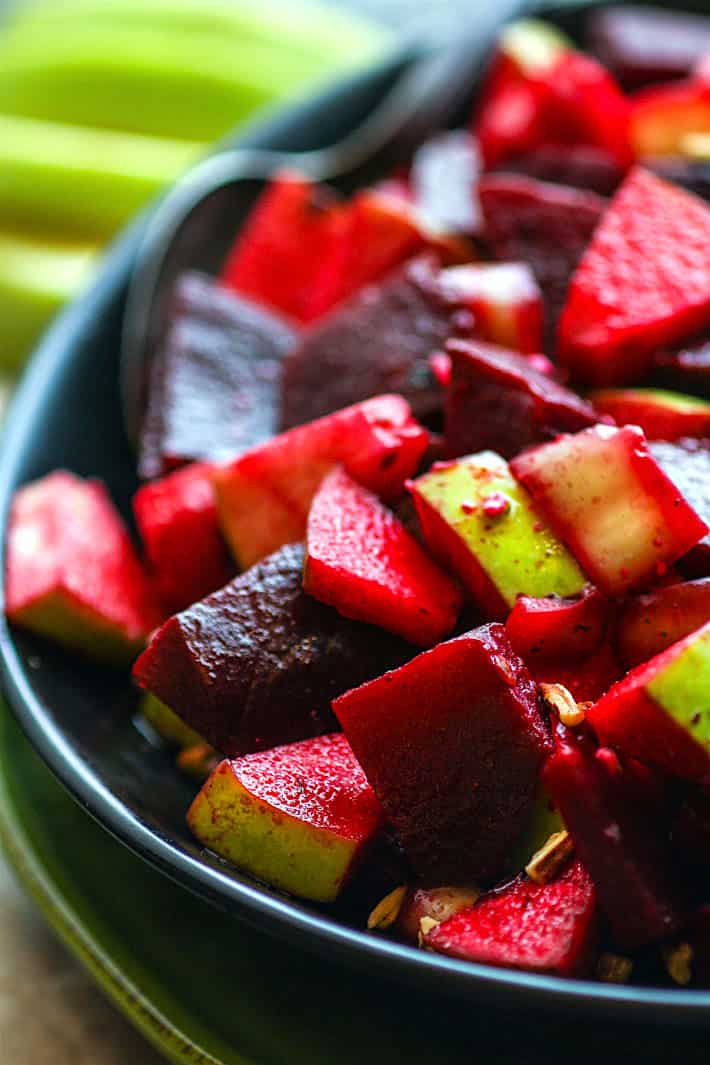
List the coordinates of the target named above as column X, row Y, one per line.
column 81, row 718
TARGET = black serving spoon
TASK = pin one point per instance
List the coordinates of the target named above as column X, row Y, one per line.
column 195, row 222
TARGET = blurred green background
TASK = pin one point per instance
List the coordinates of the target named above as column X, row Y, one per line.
column 104, row 102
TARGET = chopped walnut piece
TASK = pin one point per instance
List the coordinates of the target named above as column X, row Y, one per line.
column 561, row 700
column 425, row 926
column 197, row 761
column 547, row 862
column 387, row 909
column 614, row 968
column 678, row 959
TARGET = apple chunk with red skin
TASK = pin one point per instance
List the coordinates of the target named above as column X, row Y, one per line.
column 177, row 520
column 653, row 621
column 452, row 744
column 607, row 498
column 264, row 496
column 481, row 524
column 558, row 629
column 72, row 573
column 662, row 415
column 363, row 561
column 505, row 300
column 660, row 712
column 299, row 817
column 549, row 928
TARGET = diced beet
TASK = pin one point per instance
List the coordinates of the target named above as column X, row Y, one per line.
column 647, row 44
column 443, row 178
column 649, row 623
column 505, row 301
column 215, row 381
column 580, row 165
column 257, row 663
column 548, row 226
column 299, row 817
column 498, row 400
column 686, row 367
column 71, row 571
column 452, row 744
column 587, row 680
column 687, row 462
column 661, row 415
column 263, row 498
column 361, row 560
column 379, row 341
column 546, row 928
column 177, row 520
column 279, row 252
column 611, row 503
column 660, row 711
column 643, row 283
column 621, row 850
column 380, row 233
column 691, row 174
column 690, row 833
column 558, row 629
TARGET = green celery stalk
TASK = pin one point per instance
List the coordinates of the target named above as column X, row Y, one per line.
column 82, row 181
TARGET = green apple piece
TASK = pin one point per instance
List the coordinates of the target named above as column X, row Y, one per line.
column 157, row 81
column 167, row 724
column 544, row 820
column 36, row 278
column 516, row 552
column 533, row 45
column 682, row 687
column 81, row 181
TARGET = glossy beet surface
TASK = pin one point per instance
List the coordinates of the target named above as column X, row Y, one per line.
column 80, row 719
column 257, row 663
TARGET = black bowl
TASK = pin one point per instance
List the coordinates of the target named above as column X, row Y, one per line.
column 80, row 718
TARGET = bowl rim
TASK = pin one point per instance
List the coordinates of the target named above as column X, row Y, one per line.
column 247, row 900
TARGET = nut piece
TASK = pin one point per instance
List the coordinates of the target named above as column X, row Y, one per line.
column 197, row 761
column 561, row 700
column 546, row 863
column 678, row 958
column 614, row 968
column 425, row 926
column 387, row 909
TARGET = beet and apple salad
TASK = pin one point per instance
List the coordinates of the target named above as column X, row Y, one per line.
column 422, row 596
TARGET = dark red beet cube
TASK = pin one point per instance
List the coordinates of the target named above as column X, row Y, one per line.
column 651, row 622
column 687, row 463
column 215, row 381
column 580, row 165
column 557, row 629
column 177, row 520
column 361, row 560
column 452, row 744
column 641, row 45
column 257, row 663
column 497, row 400
column 548, row 226
column 279, row 252
column 378, row 341
column 544, row 928
column 619, row 845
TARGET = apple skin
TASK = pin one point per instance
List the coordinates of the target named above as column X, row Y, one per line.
column 264, row 496
column 660, row 711
column 558, row 629
column 300, row 817
column 72, row 573
column 362, row 560
column 505, row 301
column 496, row 558
column 176, row 517
column 549, row 928
column 662, row 415
column 607, row 498
column 452, row 744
